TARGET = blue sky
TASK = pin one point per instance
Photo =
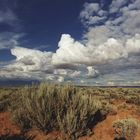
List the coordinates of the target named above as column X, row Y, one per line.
column 94, row 42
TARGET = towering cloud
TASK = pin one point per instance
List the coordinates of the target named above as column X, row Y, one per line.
column 70, row 51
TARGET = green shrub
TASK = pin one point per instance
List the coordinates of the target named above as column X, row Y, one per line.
column 79, row 116
column 125, row 128
column 53, row 107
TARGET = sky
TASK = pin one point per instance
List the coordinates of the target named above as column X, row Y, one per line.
column 82, row 42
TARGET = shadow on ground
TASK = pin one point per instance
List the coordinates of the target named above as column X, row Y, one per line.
column 15, row 137
column 120, row 139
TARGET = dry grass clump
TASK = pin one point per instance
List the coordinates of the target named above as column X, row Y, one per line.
column 135, row 99
column 6, row 96
column 108, row 108
column 125, row 128
column 4, row 100
column 63, row 108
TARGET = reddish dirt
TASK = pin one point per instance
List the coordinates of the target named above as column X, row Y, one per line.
column 7, row 127
column 38, row 135
column 102, row 131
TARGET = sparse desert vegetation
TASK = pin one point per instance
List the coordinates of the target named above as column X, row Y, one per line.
column 69, row 112
column 125, row 128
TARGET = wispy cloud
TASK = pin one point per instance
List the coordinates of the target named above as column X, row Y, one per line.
column 8, row 17
column 10, row 35
column 9, row 40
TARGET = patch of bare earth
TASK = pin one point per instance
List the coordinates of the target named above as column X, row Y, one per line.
column 7, row 127
column 38, row 135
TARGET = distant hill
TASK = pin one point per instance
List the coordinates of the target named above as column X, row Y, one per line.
column 17, row 82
